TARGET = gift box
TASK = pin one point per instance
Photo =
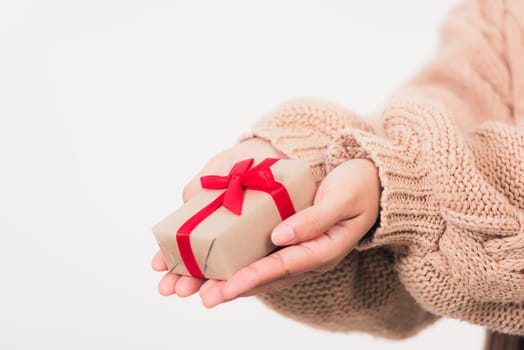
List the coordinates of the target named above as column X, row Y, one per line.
column 228, row 224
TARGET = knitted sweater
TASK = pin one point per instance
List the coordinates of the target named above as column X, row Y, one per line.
column 449, row 147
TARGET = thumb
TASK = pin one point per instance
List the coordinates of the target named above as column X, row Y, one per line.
column 305, row 224
column 337, row 199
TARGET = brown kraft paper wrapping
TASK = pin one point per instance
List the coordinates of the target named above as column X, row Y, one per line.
column 225, row 242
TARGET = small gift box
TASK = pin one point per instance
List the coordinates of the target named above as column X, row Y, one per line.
column 228, row 224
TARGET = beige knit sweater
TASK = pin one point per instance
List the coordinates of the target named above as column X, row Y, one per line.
column 450, row 151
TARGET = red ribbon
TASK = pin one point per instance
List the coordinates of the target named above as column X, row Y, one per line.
column 239, row 179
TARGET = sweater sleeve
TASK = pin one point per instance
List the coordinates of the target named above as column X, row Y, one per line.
column 450, row 236
column 451, row 164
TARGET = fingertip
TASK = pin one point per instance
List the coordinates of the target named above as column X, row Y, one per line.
column 159, row 262
column 213, row 296
column 283, row 235
column 166, row 286
column 165, row 290
column 208, row 286
column 187, row 286
column 209, row 303
column 211, row 300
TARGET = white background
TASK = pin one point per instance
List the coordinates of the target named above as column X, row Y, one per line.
column 107, row 108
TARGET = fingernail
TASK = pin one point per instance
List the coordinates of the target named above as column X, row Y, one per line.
column 283, row 235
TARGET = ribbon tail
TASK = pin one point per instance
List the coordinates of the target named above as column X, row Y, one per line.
column 184, row 233
column 234, row 196
column 282, row 201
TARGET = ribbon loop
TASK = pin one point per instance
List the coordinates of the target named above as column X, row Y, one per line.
column 214, row 182
column 241, row 178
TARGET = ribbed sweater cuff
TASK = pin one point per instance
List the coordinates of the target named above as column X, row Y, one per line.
column 407, row 210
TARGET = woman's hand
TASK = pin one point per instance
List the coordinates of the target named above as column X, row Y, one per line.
column 315, row 239
column 220, row 164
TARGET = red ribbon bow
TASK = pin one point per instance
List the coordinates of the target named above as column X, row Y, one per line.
column 240, row 178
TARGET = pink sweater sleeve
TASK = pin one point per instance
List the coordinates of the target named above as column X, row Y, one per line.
column 450, row 237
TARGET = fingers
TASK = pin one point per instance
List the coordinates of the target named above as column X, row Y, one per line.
column 166, row 286
column 211, row 293
column 187, row 286
column 182, row 286
column 159, row 262
column 279, row 270
column 317, row 255
column 273, row 267
column 306, row 224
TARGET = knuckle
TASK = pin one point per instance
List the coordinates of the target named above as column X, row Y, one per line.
column 324, row 253
column 316, row 257
column 253, row 271
column 283, row 266
column 315, row 225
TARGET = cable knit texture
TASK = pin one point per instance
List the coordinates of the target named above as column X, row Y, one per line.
column 449, row 240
